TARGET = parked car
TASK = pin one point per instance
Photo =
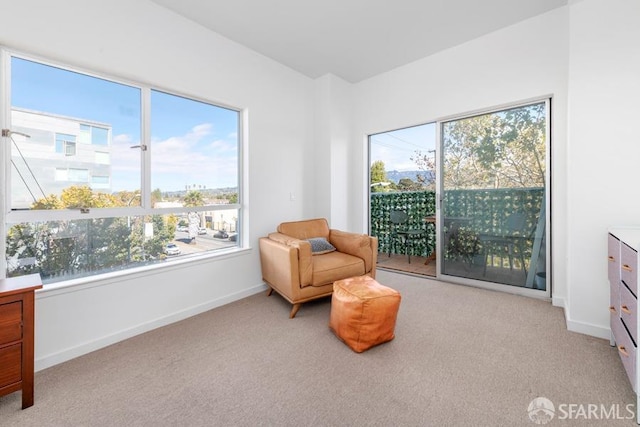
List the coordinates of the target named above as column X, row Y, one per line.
column 182, row 228
column 172, row 249
column 221, row 234
column 202, row 230
column 233, row 237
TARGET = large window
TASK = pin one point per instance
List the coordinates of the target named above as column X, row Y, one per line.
column 93, row 187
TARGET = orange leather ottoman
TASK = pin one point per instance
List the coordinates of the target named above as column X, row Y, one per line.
column 363, row 312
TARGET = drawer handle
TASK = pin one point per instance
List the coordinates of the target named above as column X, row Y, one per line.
column 626, row 267
column 612, row 309
column 612, row 259
column 623, row 351
column 625, row 309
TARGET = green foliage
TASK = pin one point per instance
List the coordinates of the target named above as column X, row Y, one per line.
column 463, row 243
column 406, row 184
column 426, row 163
column 378, row 179
column 498, row 150
column 417, row 204
column 485, row 212
column 83, row 197
column 378, row 172
column 61, row 248
column 67, row 247
column 193, row 198
column 156, row 196
column 128, row 198
column 231, row 197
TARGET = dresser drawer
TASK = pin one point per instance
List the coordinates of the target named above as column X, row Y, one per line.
column 628, row 266
column 626, row 350
column 10, row 322
column 613, row 253
column 10, row 365
column 614, row 298
column 629, row 311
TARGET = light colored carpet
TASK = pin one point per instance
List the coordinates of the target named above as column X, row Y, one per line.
column 461, row 357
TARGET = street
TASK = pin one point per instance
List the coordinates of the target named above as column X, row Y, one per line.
column 203, row 242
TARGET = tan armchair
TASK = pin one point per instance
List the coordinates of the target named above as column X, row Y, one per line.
column 291, row 269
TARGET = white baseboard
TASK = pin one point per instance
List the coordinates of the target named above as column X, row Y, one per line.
column 581, row 327
column 76, row 351
column 558, row 302
column 588, row 328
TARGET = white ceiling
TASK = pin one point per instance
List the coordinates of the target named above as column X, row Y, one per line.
column 354, row 39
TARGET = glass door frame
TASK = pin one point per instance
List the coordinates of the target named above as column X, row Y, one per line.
column 546, row 293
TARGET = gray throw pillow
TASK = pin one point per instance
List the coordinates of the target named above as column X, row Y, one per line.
column 320, row 245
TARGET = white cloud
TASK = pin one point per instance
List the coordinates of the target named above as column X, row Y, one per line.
column 192, row 158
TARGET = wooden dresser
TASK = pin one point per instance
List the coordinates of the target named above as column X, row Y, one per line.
column 16, row 335
column 624, row 265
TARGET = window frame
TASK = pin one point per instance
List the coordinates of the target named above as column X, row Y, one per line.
column 65, row 144
column 7, row 215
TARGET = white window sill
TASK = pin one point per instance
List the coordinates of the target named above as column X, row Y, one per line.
column 74, row 285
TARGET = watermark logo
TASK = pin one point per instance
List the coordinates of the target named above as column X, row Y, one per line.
column 541, row 410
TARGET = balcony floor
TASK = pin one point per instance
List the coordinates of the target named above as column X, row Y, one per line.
column 515, row 277
column 400, row 263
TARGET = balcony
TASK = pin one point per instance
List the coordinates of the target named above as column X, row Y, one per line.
column 478, row 240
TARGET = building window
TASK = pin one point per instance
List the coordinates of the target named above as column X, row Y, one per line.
column 72, row 175
column 85, row 134
column 99, row 136
column 66, row 144
column 96, row 135
column 99, row 182
column 78, row 175
column 88, row 212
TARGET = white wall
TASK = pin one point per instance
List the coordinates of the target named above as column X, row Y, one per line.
column 604, row 148
column 586, row 55
column 521, row 62
column 334, row 113
column 144, row 42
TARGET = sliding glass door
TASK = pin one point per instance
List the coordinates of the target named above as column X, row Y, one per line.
column 402, row 202
column 493, row 210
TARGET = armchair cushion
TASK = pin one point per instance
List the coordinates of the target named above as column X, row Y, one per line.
column 329, row 267
column 305, row 229
column 320, row 246
column 358, row 245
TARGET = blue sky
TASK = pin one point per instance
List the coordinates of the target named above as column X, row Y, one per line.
column 395, row 148
column 192, row 143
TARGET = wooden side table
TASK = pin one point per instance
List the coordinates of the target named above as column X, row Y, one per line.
column 17, row 296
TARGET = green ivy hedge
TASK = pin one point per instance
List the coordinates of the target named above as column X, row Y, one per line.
column 417, row 204
column 484, row 210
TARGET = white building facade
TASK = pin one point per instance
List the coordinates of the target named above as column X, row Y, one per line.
column 60, row 152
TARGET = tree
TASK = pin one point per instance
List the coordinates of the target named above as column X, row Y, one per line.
column 406, row 184
column 378, row 175
column 83, row 197
column 156, row 196
column 59, row 247
column 193, row 198
column 145, row 247
column 128, row 198
column 498, row 150
column 426, row 163
column 378, row 172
